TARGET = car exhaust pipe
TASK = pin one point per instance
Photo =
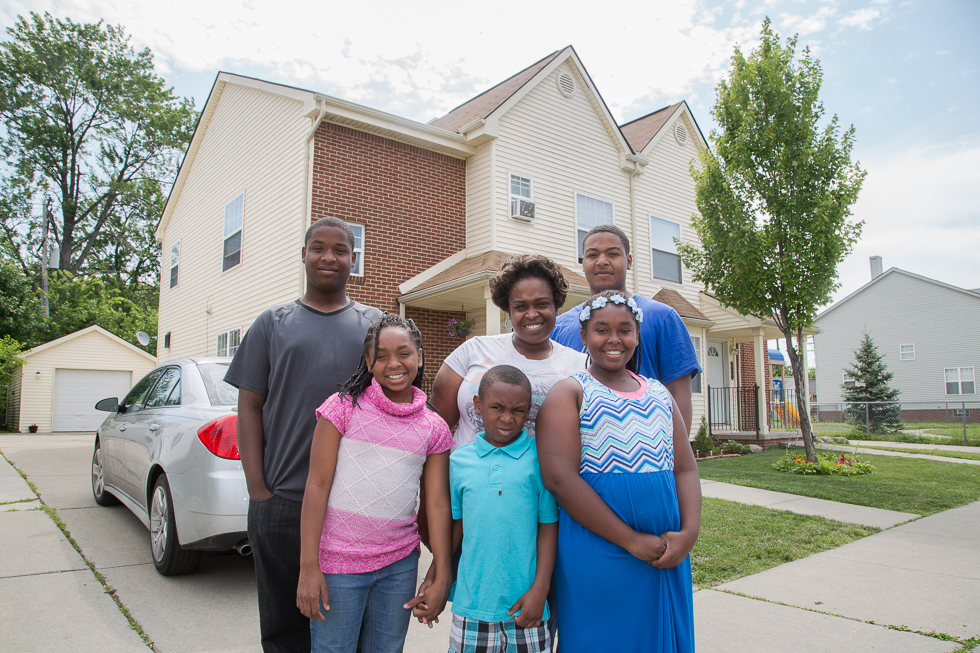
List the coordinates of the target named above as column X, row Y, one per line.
column 244, row 548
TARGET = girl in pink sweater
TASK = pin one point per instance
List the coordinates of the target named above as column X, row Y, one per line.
column 359, row 537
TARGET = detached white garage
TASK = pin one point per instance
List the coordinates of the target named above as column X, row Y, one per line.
column 62, row 379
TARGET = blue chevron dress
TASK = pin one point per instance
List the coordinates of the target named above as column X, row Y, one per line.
column 607, row 599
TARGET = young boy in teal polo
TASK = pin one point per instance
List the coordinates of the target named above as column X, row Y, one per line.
column 507, row 524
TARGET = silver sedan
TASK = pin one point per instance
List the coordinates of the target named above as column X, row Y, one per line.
column 169, row 453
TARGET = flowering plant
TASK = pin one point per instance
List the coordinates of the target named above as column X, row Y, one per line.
column 460, row 328
column 825, row 465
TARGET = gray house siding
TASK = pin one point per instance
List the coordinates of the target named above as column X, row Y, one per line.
column 897, row 309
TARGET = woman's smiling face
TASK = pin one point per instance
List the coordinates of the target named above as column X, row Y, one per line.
column 532, row 310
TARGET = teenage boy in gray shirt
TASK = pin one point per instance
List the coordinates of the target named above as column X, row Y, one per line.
column 292, row 358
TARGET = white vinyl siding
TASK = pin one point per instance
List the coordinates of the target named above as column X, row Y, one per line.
column 906, row 352
column 666, row 263
column 358, row 268
column 960, row 381
column 228, row 342
column 231, row 251
column 254, row 144
column 174, row 264
column 479, row 199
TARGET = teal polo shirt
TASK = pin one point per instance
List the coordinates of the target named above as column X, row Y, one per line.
column 499, row 495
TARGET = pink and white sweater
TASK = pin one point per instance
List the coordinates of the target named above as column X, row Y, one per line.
column 371, row 521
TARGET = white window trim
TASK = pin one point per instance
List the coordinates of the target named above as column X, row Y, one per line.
column 359, row 251
column 241, row 230
column 959, row 381
column 575, row 194
column 227, row 333
column 650, row 217
column 901, row 354
column 700, row 357
column 173, row 265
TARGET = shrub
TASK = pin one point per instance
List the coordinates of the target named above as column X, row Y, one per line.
column 703, row 444
column 825, row 465
column 734, row 447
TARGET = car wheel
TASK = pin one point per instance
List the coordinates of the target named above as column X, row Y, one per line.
column 102, row 496
column 168, row 557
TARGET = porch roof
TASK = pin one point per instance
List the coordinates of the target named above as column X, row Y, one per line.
column 688, row 312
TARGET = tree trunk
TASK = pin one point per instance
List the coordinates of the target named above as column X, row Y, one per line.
column 796, row 361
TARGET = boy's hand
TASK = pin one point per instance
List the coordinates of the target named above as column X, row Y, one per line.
column 531, row 606
column 311, row 590
column 429, row 602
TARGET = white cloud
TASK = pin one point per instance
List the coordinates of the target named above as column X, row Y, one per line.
column 804, row 25
column 920, row 215
column 862, row 18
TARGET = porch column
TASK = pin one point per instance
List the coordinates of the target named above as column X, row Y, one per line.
column 806, row 375
column 493, row 314
column 762, row 410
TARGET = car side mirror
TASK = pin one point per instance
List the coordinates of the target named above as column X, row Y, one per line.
column 109, row 405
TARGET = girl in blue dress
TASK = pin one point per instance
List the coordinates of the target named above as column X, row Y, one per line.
column 629, row 494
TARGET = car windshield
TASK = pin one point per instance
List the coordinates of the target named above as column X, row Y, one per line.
column 219, row 392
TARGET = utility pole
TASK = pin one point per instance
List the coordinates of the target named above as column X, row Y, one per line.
column 44, row 258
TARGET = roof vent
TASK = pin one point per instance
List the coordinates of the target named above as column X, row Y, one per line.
column 680, row 133
column 875, row 267
column 566, row 84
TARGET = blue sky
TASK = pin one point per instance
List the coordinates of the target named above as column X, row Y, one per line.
column 905, row 73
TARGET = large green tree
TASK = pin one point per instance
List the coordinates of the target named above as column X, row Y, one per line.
column 88, row 123
column 873, row 404
column 774, row 196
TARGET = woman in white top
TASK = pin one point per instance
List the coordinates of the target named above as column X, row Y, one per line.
column 531, row 289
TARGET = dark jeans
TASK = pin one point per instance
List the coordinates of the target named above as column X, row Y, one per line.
column 273, row 531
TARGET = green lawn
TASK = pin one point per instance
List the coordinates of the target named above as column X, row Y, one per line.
column 926, row 433
column 911, row 485
column 968, row 455
column 737, row 540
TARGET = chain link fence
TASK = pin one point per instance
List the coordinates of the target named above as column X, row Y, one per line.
column 952, row 421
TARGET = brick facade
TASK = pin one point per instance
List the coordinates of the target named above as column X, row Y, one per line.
column 746, row 357
column 412, row 203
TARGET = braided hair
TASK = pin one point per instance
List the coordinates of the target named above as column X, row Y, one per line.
column 359, row 381
column 633, row 364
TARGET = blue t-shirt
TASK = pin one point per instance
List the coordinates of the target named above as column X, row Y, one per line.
column 667, row 352
column 499, row 495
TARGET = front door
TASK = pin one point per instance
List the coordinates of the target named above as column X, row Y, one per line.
column 718, row 382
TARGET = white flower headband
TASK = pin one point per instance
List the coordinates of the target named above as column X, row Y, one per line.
column 599, row 302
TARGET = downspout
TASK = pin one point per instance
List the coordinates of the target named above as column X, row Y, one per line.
column 307, row 176
column 636, row 171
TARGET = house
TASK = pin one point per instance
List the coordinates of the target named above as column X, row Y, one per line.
column 61, row 380
column 529, row 165
column 926, row 330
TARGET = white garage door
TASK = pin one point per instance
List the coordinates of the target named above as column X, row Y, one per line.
column 75, row 394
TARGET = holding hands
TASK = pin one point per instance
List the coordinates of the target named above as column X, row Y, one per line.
column 430, row 601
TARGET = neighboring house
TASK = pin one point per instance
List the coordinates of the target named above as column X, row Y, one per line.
column 528, row 166
column 926, row 330
column 61, row 380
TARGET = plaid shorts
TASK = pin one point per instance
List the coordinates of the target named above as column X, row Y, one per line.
column 473, row 636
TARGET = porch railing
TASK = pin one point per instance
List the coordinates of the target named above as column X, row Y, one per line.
column 733, row 409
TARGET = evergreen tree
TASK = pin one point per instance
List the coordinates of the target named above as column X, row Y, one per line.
column 871, row 377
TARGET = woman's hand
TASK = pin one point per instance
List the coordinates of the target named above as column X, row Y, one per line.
column 312, row 589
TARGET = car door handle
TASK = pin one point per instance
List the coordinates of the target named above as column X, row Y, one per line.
column 153, row 427
column 122, row 427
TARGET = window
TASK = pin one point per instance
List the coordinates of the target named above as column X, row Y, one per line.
column 520, row 187
column 228, row 342
column 232, row 248
column 174, row 260
column 849, row 381
column 521, row 197
column 696, row 379
column 960, row 381
column 666, row 262
column 907, row 352
column 163, row 391
column 358, row 268
column 590, row 212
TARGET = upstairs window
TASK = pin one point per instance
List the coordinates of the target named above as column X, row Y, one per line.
column 666, row 261
column 358, row 268
column 228, row 342
column 521, row 197
column 590, row 212
column 906, row 352
column 849, row 381
column 174, row 261
column 960, row 381
column 232, row 248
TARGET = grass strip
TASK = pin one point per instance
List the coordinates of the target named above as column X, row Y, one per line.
column 966, row 455
column 737, row 540
column 914, row 485
column 53, row 514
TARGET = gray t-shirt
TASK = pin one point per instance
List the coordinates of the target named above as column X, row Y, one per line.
column 296, row 357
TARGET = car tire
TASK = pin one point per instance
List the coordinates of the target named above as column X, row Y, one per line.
column 102, row 496
column 168, row 556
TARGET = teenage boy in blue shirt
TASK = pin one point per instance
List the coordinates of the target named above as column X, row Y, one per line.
column 507, row 523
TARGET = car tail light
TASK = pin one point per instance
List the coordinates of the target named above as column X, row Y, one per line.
column 220, row 437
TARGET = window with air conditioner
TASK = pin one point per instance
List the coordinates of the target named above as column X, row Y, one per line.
column 231, row 254
column 521, row 197
column 590, row 212
column 666, row 261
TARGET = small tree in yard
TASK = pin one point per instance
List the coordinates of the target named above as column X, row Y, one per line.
column 774, row 201
column 871, row 377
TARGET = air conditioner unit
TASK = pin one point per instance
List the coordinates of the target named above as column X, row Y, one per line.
column 521, row 209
